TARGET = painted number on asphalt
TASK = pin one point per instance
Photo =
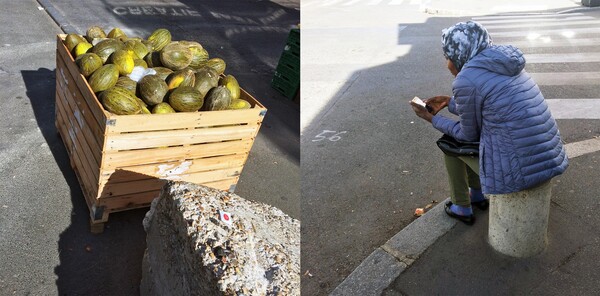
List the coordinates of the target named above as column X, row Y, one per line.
column 332, row 136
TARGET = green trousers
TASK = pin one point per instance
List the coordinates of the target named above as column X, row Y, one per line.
column 463, row 172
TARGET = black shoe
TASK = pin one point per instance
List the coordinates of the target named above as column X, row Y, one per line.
column 469, row 220
column 482, row 205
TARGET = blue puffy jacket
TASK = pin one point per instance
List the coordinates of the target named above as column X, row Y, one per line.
column 500, row 106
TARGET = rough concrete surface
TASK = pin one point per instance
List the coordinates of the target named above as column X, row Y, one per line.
column 192, row 249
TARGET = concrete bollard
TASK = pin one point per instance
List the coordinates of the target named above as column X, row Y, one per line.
column 518, row 222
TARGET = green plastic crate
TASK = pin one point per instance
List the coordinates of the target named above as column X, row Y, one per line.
column 294, row 37
column 285, row 87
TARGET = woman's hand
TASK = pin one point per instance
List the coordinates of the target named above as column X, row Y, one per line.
column 436, row 104
column 421, row 111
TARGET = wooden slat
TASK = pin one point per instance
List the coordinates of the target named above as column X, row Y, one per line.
column 144, row 140
column 75, row 161
column 80, row 115
column 111, row 190
column 167, row 169
column 119, row 159
column 89, row 151
column 84, row 88
column 181, row 120
column 86, row 115
column 128, row 202
column 212, row 176
column 80, row 152
column 223, row 184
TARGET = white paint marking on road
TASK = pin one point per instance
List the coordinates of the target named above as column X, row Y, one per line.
column 577, row 149
column 576, row 57
column 542, row 42
column 537, row 24
column 521, row 16
column 567, row 78
column 374, row 2
column 415, row 2
column 486, row 23
column 395, row 2
column 574, row 108
column 557, row 32
column 351, row 2
column 329, row 2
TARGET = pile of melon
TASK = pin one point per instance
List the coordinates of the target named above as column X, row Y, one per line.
column 153, row 75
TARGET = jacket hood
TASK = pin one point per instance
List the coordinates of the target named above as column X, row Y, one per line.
column 502, row 59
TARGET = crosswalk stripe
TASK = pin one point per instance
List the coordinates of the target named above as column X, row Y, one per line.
column 374, row 2
column 574, row 108
column 574, row 57
column 567, row 78
column 538, row 42
column 523, row 33
column 330, row 2
column 351, row 2
column 521, row 16
column 509, row 21
column 395, row 2
column 542, row 25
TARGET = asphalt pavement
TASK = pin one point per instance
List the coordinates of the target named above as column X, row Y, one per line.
column 45, row 242
column 435, row 255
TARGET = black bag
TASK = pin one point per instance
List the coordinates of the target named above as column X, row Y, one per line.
column 452, row 147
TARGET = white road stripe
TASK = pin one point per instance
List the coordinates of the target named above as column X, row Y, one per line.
column 329, row 2
column 395, row 2
column 554, row 19
column 542, row 24
column 544, row 42
column 574, row 108
column 567, row 78
column 351, row 2
column 521, row 16
column 583, row 147
column 524, row 33
column 374, row 2
column 575, row 57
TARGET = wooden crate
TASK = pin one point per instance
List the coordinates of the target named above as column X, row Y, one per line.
column 122, row 161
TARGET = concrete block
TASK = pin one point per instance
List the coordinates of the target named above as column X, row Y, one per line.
column 204, row 241
column 518, row 222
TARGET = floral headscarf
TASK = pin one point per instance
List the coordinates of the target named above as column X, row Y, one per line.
column 463, row 41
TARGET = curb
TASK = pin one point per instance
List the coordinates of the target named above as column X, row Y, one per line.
column 387, row 262
column 58, row 18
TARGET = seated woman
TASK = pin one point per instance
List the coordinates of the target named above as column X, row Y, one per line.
column 499, row 105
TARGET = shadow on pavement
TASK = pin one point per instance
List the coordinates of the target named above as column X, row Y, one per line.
column 103, row 264
column 384, row 164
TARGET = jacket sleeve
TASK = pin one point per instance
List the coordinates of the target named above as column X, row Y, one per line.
column 468, row 106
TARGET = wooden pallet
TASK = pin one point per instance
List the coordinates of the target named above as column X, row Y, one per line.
column 122, row 161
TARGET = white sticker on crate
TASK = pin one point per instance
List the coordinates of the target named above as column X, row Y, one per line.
column 173, row 172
